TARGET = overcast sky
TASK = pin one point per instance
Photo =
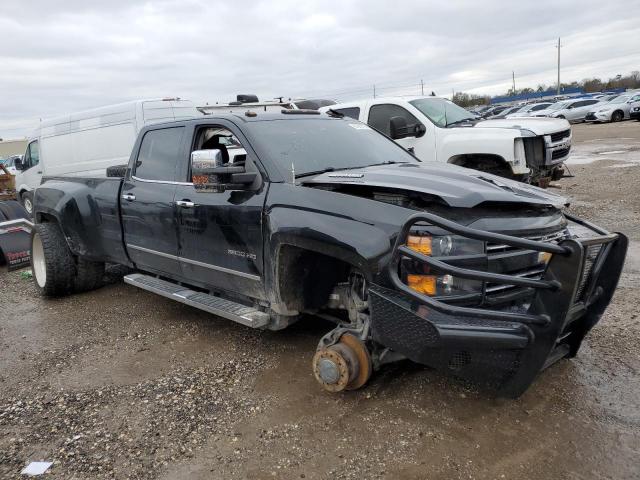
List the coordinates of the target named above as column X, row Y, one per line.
column 63, row 56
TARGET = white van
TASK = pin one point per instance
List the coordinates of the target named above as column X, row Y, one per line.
column 436, row 129
column 86, row 143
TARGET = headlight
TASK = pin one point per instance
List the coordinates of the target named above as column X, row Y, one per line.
column 443, row 285
column 419, row 276
column 603, row 110
column 444, row 245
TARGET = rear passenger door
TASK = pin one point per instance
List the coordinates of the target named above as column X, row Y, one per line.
column 148, row 202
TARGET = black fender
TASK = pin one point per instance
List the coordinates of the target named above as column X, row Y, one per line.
column 362, row 245
column 87, row 211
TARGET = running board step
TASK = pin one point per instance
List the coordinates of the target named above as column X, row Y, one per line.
column 237, row 312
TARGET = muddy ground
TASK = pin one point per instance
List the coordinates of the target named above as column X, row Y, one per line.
column 120, row 383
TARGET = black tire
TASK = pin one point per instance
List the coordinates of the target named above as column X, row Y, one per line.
column 12, row 210
column 51, row 261
column 89, row 275
column 26, row 199
column 562, row 117
column 617, row 116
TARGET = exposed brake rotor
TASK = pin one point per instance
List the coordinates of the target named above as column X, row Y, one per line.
column 345, row 365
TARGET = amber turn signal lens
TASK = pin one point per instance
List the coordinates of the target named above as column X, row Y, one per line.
column 419, row 244
column 422, row 284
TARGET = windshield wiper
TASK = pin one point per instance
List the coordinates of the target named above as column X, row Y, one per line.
column 334, row 169
column 390, row 162
column 318, row 172
column 464, row 120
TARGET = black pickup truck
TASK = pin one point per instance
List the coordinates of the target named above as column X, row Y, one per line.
column 262, row 218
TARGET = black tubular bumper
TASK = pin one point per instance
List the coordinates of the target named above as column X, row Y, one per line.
column 504, row 348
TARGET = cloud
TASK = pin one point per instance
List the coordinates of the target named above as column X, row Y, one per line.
column 59, row 57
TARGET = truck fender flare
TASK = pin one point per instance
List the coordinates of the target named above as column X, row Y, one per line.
column 363, row 246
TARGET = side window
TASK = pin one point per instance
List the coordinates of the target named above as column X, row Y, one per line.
column 353, row 112
column 218, row 137
column 542, row 106
column 590, row 102
column 32, row 155
column 159, row 153
column 379, row 116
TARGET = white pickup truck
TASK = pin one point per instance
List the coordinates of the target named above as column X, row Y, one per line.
column 436, row 129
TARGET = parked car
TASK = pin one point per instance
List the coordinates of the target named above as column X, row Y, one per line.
column 615, row 110
column 10, row 163
column 508, row 111
column 435, row 129
column 634, row 110
column 85, row 143
column 529, row 110
column 494, row 111
column 327, row 216
column 574, row 111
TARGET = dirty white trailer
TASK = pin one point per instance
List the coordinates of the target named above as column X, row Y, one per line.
column 15, row 226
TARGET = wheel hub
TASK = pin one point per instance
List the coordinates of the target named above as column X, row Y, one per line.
column 345, row 365
column 329, row 371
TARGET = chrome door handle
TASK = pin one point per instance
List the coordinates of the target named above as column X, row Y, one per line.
column 128, row 196
column 185, row 203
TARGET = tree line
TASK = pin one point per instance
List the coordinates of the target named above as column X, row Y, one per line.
column 589, row 85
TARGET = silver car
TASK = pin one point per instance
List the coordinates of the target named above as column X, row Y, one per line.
column 574, row 110
column 613, row 111
column 530, row 110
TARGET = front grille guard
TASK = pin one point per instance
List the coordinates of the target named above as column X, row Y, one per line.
column 563, row 274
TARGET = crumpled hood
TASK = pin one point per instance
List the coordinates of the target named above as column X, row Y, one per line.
column 457, row 186
column 539, row 126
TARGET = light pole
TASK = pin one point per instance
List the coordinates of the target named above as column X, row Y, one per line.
column 558, row 47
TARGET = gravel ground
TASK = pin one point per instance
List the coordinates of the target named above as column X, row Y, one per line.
column 119, row 383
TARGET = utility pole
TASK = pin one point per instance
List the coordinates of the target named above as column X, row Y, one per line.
column 513, row 75
column 558, row 47
column 374, row 91
column 422, row 87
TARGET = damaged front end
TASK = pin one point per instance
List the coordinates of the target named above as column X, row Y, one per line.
column 461, row 304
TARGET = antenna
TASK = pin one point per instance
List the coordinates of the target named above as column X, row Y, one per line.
column 293, row 174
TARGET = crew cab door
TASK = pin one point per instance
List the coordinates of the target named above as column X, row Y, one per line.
column 220, row 231
column 148, row 202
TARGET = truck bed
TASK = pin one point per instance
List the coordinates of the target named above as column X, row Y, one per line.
column 91, row 220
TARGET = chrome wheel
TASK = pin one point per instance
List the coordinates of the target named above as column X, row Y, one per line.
column 38, row 262
column 28, row 205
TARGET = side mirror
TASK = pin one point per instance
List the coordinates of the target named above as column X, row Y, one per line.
column 209, row 173
column 398, row 128
column 420, row 130
column 17, row 163
column 570, row 107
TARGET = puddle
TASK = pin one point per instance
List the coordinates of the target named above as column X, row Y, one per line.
column 625, row 165
column 588, row 152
